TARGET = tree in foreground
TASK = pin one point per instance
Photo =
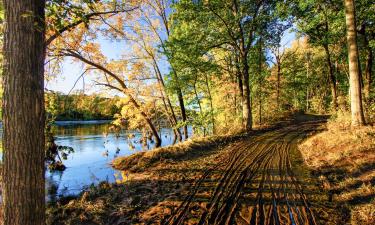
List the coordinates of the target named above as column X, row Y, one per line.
column 23, row 113
column 355, row 83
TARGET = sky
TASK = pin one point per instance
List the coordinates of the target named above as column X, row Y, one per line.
column 71, row 70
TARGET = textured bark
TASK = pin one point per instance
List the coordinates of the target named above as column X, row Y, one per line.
column 278, row 61
column 244, row 45
column 240, row 88
column 355, row 85
column 368, row 72
column 246, row 106
column 332, row 78
column 23, row 113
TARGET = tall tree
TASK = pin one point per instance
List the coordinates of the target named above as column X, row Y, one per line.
column 354, row 70
column 322, row 22
column 23, row 118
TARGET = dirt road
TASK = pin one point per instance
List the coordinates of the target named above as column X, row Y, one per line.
column 261, row 180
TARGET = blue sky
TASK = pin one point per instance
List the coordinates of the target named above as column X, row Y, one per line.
column 71, row 70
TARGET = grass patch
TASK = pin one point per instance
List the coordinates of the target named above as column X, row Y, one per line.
column 344, row 159
column 189, row 149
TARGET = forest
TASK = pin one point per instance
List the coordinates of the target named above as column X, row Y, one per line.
column 191, row 112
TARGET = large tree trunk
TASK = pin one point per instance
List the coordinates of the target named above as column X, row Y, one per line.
column 355, row 85
column 23, row 118
column 332, row 78
column 246, row 105
column 240, row 88
column 240, row 83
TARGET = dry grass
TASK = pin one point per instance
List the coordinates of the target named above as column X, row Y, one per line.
column 344, row 159
column 180, row 151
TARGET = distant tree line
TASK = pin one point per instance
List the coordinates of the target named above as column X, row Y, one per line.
column 60, row 106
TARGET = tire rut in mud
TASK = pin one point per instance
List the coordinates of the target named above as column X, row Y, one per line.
column 254, row 184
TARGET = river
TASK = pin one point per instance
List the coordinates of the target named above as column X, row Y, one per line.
column 95, row 147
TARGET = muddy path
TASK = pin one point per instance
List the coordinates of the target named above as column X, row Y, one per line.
column 260, row 180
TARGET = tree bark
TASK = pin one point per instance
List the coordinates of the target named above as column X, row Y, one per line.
column 260, row 81
column 332, row 78
column 148, row 121
column 355, row 85
column 169, row 104
column 182, row 107
column 278, row 61
column 199, row 103
column 23, row 118
column 211, row 105
column 368, row 70
column 246, row 106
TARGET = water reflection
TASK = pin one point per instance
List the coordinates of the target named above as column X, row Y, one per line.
column 95, row 146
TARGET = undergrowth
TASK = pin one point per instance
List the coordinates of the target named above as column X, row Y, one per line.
column 344, row 159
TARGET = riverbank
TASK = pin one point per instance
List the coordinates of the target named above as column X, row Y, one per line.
column 154, row 185
column 151, row 185
column 343, row 158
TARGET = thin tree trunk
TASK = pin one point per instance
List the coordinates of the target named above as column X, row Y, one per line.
column 211, row 105
column 181, row 103
column 332, row 78
column 368, row 70
column 162, row 12
column 148, row 121
column 173, row 115
column 355, row 85
column 23, row 117
column 199, row 103
column 175, row 137
column 260, row 81
column 307, row 86
column 278, row 82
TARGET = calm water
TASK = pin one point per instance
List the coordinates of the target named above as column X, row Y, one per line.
column 95, row 147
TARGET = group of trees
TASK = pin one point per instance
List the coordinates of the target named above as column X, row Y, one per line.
column 216, row 65
column 79, row 106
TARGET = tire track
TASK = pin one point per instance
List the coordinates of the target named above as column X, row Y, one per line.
column 263, row 162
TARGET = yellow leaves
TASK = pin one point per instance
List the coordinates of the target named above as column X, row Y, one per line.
column 121, row 177
column 90, row 47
